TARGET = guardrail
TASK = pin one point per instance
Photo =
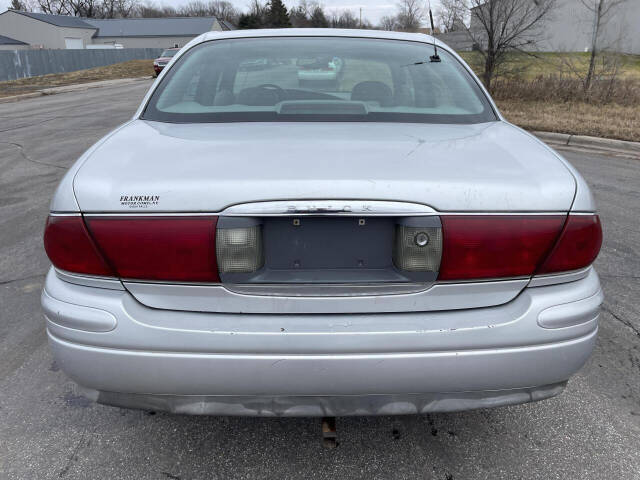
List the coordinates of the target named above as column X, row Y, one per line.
column 16, row 64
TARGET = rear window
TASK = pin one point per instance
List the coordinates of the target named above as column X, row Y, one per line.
column 317, row 79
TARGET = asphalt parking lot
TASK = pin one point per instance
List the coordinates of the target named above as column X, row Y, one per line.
column 592, row 431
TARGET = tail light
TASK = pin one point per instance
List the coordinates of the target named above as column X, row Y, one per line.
column 145, row 248
column 158, row 248
column 478, row 247
column 188, row 249
column 578, row 246
column 69, row 247
column 496, row 246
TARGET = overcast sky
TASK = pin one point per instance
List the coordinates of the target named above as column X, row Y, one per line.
column 372, row 10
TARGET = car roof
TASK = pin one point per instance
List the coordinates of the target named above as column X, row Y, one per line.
column 317, row 32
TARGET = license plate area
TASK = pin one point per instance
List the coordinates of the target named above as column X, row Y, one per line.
column 328, row 250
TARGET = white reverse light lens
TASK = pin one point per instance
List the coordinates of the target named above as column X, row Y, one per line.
column 417, row 249
column 239, row 250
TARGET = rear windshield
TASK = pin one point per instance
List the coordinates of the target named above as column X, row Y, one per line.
column 168, row 53
column 317, row 79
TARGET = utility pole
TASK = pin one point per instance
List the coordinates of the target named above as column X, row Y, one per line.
column 360, row 17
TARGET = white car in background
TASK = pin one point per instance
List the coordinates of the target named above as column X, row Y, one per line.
column 246, row 245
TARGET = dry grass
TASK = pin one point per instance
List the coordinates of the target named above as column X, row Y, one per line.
column 578, row 118
column 560, row 88
column 544, row 92
column 557, row 103
column 130, row 69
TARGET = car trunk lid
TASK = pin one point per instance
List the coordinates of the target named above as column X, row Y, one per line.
column 157, row 167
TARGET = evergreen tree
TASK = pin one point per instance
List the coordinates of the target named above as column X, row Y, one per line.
column 249, row 21
column 318, row 19
column 277, row 16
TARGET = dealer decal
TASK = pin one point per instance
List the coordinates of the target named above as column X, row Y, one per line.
column 139, row 201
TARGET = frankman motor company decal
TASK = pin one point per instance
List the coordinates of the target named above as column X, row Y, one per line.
column 139, row 201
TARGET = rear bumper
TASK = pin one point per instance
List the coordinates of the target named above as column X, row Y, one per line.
column 325, row 405
column 320, row 364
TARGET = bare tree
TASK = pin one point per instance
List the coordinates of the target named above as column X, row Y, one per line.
column 300, row 15
column 451, row 14
column 18, row 5
column 601, row 11
column 150, row 10
column 54, row 7
column 88, row 8
column 411, row 13
column 221, row 9
column 502, row 26
column 256, row 7
column 224, row 10
column 24, row 5
column 343, row 19
column 115, row 9
column 195, row 8
column 389, row 23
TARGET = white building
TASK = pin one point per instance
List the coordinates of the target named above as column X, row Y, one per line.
column 7, row 43
column 40, row 30
column 569, row 28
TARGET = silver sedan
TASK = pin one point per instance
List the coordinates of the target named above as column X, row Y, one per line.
column 376, row 240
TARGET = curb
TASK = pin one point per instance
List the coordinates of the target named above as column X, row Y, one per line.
column 73, row 88
column 584, row 141
column 24, row 96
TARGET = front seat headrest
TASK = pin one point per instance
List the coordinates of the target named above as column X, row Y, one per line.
column 371, row 91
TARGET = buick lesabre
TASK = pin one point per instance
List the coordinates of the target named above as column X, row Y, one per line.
column 372, row 237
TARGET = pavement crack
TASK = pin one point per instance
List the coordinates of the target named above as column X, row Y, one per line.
column 170, row 475
column 73, row 455
column 18, row 127
column 29, row 159
column 29, row 277
column 621, row 320
column 51, row 111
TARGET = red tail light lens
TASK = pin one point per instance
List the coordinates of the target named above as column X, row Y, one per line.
column 495, row 246
column 184, row 249
column 578, row 245
column 69, row 247
column 158, row 248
